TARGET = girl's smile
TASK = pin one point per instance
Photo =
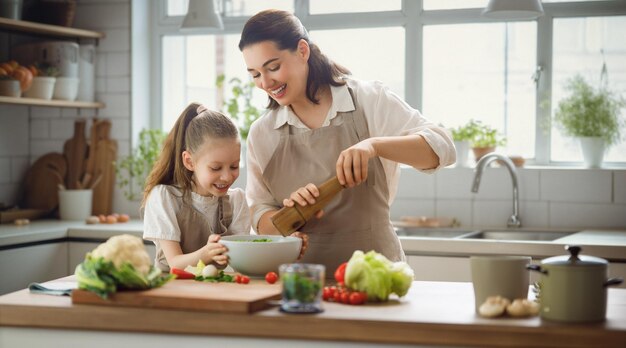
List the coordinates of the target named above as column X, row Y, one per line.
column 215, row 166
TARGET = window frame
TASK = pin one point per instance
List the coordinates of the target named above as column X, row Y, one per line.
column 413, row 19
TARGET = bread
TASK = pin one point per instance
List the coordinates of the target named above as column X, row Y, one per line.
column 493, row 307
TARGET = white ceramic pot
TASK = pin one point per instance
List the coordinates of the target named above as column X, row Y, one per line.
column 462, row 152
column 66, row 88
column 42, row 88
column 593, row 151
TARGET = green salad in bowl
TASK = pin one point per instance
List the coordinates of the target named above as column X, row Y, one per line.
column 255, row 255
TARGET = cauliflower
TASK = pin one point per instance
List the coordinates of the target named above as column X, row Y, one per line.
column 125, row 248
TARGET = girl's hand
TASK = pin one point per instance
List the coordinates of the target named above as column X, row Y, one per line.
column 305, row 242
column 352, row 163
column 303, row 196
column 214, row 251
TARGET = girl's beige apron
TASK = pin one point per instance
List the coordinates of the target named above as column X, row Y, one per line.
column 196, row 227
column 358, row 218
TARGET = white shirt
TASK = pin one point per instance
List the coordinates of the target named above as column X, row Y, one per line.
column 386, row 115
column 160, row 213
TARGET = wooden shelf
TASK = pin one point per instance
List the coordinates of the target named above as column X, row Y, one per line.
column 47, row 29
column 53, row 102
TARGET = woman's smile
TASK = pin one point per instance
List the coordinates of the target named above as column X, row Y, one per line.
column 279, row 92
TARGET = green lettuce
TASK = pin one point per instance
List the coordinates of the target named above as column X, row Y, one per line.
column 377, row 276
column 102, row 277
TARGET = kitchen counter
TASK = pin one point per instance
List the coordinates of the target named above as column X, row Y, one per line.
column 432, row 313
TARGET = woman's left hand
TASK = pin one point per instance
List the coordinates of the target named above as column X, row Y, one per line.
column 305, row 242
column 352, row 163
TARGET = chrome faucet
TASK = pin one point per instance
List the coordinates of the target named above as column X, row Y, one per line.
column 514, row 220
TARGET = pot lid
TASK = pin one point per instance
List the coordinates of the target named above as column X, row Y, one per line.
column 573, row 259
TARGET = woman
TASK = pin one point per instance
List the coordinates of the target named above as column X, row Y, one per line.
column 322, row 123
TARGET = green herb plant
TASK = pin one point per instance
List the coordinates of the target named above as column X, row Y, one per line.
column 486, row 136
column 300, row 288
column 239, row 105
column 132, row 170
column 590, row 112
column 466, row 132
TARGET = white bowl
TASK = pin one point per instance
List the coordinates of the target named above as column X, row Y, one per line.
column 258, row 258
column 42, row 88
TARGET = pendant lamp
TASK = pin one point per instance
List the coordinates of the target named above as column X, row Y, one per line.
column 513, row 9
column 202, row 14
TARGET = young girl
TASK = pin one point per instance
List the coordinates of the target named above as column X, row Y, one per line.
column 188, row 201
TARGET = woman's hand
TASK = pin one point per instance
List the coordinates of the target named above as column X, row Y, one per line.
column 305, row 242
column 303, row 196
column 214, row 251
column 352, row 163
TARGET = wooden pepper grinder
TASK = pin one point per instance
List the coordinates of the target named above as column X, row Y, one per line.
column 289, row 219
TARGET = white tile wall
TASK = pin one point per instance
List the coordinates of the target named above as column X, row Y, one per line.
column 26, row 132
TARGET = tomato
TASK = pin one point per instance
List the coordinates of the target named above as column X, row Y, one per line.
column 363, row 296
column 245, row 279
column 271, row 277
column 355, row 298
column 341, row 272
column 182, row 274
column 337, row 296
column 238, row 278
column 345, row 297
column 327, row 294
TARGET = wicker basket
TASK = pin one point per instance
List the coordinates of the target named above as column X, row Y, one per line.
column 57, row 12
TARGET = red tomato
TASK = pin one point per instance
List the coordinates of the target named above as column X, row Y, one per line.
column 355, row 298
column 238, row 278
column 341, row 272
column 363, row 296
column 182, row 274
column 327, row 293
column 271, row 277
column 245, row 279
column 337, row 296
column 345, row 297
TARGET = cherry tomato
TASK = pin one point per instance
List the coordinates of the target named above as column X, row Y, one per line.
column 238, row 278
column 337, row 296
column 363, row 296
column 345, row 297
column 341, row 272
column 271, row 277
column 327, row 293
column 245, row 279
column 355, row 298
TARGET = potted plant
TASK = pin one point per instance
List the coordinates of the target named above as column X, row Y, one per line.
column 133, row 169
column 462, row 137
column 485, row 140
column 239, row 105
column 592, row 115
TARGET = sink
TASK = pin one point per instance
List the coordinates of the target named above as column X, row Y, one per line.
column 526, row 235
column 427, row 232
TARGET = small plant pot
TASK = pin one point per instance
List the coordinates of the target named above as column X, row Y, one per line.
column 10, row 88
column 41, row 88
column 479, row 152
column 593, row 151
column 66, row 88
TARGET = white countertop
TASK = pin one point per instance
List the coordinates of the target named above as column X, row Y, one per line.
column 609, row 244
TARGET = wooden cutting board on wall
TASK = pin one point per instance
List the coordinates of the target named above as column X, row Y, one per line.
column 192, row 295
column 103, row 181
column 40, row 189
column 75, row 152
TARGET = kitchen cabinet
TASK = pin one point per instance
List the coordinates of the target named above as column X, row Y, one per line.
column 21, row 266
column 37, row 29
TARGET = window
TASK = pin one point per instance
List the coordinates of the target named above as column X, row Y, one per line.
column 444, row 59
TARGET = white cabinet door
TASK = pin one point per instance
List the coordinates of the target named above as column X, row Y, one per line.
column 79, row 249
column 38, row 263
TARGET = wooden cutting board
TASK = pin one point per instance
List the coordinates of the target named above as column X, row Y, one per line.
column 41, row 183
column 75, row 152
column 192, row 295
column 105, row 154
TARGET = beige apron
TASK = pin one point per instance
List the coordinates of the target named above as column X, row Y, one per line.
column 358, row 218
column 195, row 227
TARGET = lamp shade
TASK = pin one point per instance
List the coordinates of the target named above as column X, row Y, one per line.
column 513, row 9
column 202, row 14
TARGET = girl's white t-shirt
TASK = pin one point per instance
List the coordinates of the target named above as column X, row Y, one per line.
column 160, row 213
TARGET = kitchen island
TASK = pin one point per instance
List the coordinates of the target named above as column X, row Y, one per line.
column 432, row 313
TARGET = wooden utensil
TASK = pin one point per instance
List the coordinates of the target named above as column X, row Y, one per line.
column 192, row 295
column 289, row 219
column 40, row 186
column 91, row 155
column 75, row 152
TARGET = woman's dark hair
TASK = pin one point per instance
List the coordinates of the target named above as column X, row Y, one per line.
column 286, row 30
column 189, row 133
